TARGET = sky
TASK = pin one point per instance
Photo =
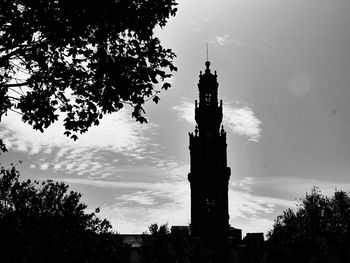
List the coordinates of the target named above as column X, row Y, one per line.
column 283, row 71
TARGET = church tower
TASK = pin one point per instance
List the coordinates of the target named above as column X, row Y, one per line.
column 209, row 175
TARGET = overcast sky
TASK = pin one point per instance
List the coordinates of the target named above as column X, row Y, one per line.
column 284, row 73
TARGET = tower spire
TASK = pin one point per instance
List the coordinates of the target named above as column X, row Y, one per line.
column 207, row 52
column 209, row 175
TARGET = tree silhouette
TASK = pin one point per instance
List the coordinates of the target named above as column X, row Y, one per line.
column 160, row 245
column 2, row 147
column 156, row 245
column 43, row 222
column 81, row 58
column 319, row 231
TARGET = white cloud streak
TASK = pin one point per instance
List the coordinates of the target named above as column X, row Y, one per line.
column 243, row 203
column 240, row 120
column 116, row 134
column 225, row 39
column 243, row 121
column 140, row 204
column 141, row 198
column 146, row 203
column 162, row 202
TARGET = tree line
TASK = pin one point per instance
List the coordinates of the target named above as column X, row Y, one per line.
column 44, row 221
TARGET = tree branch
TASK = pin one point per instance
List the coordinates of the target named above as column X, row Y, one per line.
column 13, row 98
column 17, row 84
column 20, row 113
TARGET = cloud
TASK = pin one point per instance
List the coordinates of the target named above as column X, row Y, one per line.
column 243, row 121
column 139, row 204
column 44, row 166
column 144, row 203
column 251, row 212
column 256, row 213
column 243, row 203
column 240, row 120
column 295, row 188
column 185, row 111
column 141, row 198
column 117, row 134
column 244, row 184
column 225, row 39
column 108, row 184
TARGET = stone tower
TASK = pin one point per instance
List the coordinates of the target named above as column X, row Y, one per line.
column 209, row 175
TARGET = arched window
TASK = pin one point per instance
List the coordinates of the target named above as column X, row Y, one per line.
column 207, row 98
column 210, row 205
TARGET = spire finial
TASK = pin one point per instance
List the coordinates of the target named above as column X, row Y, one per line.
column 207, row 64
column 207, row 52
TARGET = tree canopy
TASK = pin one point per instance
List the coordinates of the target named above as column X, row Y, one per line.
column 161, row 245
column 319, row 231
column 81, row 58
column 43, row 222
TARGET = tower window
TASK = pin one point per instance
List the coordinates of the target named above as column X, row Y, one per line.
column 210, row 204
column 207, row 98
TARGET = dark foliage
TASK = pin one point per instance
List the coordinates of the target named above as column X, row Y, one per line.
column 156, row 245
column 319, row 231
column 43, row 222
column 2, row 147
column 159, row 245
column 82, row 58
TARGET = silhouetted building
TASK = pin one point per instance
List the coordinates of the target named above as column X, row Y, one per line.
column 134, row 241
column 183, row 230
column 235, row 237
column 209, row 175
column 255, row 247
column 209, row 239
column 250, row 249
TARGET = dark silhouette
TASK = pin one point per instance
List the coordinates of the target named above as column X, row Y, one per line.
column 254, row 245
column 158, row 244
column 209, row 174
column 43, row 222
column 250, row 249
column 319, row 231
column 2, row 147
column 81, row 58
